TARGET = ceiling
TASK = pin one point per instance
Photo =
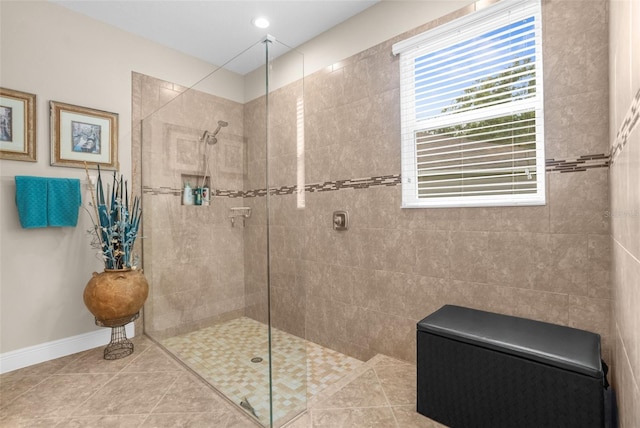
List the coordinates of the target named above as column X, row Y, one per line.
column 217, row 31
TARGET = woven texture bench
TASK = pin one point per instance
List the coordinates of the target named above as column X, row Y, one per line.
column 481, row 369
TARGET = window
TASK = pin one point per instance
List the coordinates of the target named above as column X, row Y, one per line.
column 472, row 110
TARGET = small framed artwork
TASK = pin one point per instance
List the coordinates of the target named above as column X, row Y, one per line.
column 81, row 134
column 17, row 125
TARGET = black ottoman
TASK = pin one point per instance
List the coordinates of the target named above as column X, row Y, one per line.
column 480, row 369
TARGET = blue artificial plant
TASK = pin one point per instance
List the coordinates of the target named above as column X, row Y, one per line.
column 117, row 222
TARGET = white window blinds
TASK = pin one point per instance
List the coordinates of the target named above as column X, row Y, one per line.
column 472, row 110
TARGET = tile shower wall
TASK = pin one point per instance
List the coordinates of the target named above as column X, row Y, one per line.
column 193, row 258
column 255, row 232
column 286, row 230
column 625, row 205
column 361, row 291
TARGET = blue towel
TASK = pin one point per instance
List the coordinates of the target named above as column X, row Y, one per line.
column 63, row 201
column 31, row 199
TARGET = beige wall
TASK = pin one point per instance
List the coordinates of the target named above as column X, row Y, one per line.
column 63, row 56
column 624, row 83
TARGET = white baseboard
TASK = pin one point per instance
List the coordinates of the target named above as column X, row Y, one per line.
column 36, row 354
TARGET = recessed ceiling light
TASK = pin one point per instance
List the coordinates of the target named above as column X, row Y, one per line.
column 261, row 22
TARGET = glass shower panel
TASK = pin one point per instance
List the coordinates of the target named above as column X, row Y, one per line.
column 216, row 302
column 287, row 240
column 274, row 288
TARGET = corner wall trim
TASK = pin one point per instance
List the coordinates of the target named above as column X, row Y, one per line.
column 31, row 355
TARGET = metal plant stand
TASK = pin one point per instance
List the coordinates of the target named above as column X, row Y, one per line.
column 120, row 346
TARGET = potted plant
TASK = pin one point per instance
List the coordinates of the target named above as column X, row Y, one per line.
column 116, row 295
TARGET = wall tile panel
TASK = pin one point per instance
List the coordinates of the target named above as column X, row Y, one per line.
column 579, row 202
column 469, row 256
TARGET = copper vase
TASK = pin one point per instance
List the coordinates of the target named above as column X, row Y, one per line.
column 115, row 296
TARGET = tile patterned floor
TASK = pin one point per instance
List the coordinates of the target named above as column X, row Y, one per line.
column 146, row 389
column 380, row 393
column 150, row 389
column 222, row 355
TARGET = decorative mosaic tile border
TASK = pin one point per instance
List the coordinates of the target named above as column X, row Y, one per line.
column 178, row 192
column 327, row 186
column 229, row 193
column 161, row 190
column 583, row 163
column 630, row 121
column 355, row 183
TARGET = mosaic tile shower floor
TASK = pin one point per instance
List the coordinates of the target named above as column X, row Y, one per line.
column 222, row 355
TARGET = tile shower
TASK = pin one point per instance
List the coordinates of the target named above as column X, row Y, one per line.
column 361, row 292
column 212, row 269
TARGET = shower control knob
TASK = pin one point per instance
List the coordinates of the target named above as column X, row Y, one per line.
column 340, row 220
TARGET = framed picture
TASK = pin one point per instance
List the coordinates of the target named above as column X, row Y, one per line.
column 80, row 134
column 17, row 125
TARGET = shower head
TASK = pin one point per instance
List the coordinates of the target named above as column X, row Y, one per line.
column 221, row 124
column 210, row 137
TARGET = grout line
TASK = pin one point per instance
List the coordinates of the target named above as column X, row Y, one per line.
column 144, row 420
column 72, row 412
column 108, row 381
column 386, row 397
column 4, row 405
column 113, row 376
column 43, row 379
column 163, row 395
column 351, row 408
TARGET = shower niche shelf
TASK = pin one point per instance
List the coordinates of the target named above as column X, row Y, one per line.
column 195, row 181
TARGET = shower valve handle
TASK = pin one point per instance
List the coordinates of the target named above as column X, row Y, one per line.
column 340, row 220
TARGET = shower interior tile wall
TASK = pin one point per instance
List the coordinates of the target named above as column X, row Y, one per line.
column 192, row 257
column 361, row 292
